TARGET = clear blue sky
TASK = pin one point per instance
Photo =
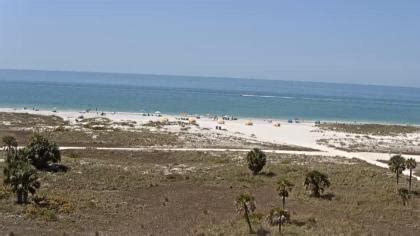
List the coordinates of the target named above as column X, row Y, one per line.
column 357, row 41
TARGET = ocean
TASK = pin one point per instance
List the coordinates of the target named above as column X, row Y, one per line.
column 252, row 98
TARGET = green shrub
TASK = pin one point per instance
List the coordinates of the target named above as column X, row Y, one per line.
column 5, row 192
column 33, row 211
column 256, row 160
column 41, row 152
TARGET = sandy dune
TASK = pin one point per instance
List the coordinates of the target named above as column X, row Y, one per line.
column 304, row 134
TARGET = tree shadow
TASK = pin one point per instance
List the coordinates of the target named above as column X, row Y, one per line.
column 262, row 232
column 55, row 167
column 328, row 196
column 415, row 192
column 269, row 174
column 298, row 223
column 40, row 201
column 309, row 222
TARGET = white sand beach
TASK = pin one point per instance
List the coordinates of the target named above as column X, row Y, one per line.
column 303, row 134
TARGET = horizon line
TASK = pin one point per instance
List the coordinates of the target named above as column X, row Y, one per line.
column 205, row 76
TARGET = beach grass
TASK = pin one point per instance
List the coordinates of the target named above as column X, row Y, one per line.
column 370, row 129
column 21, row 120
column 193, row 193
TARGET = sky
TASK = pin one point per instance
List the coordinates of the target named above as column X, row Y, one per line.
column 358, row 41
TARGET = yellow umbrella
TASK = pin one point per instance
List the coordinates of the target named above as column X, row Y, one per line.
column 192, row 121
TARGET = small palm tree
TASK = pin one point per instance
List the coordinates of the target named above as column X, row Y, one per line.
column 10, row 146
column 9, row 142
column 397, row 165
column 22, row 177
column 278, row 217
column 256, row 160
column 411, row 164
column 404, row 194
column 316, row 182
column 245, row 204
column 284, row 187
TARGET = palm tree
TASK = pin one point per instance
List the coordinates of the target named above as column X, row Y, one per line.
column 245, row 204
column 278, row 217
column 283, row 188
column 9, row 142
column 397, row 165
column 10, row 146
column 411, row 164
column 22, row 177
column 316, row 182
column 404, row 194
column 256, row 160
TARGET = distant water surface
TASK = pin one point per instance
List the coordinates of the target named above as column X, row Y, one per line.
column 199, row 95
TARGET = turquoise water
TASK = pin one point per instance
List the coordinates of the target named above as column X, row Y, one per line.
column 198, row 95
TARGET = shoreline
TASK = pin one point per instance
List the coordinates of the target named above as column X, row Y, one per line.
column 303, row 133
column 42, row 111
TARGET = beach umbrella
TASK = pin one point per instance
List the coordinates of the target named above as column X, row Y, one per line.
column 192, row 120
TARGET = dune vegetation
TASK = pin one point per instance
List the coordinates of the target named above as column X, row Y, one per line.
column 195, row 192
